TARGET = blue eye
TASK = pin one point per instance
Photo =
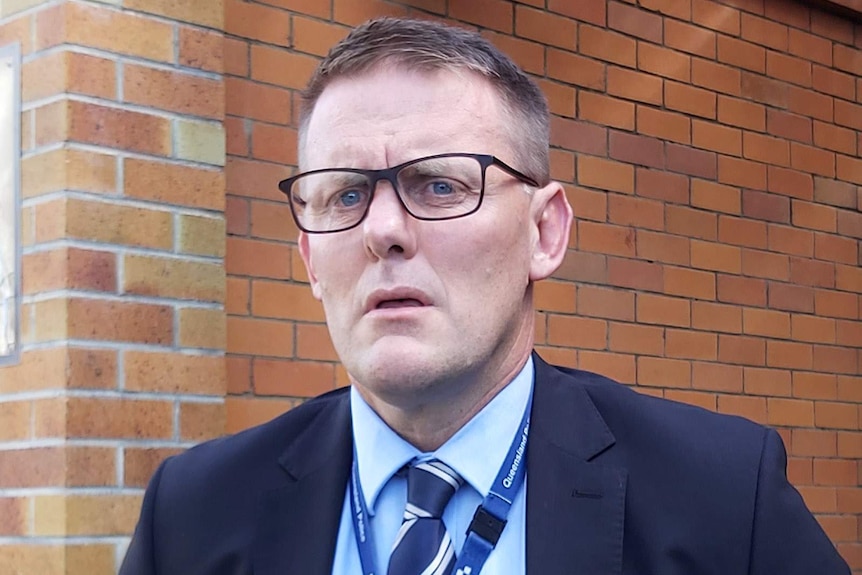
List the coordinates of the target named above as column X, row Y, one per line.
column 441, row 188
column 350, row 198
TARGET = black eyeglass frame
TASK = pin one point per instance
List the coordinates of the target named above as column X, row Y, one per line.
column 391, row 176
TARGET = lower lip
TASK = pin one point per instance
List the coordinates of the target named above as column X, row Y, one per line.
column 398, row 311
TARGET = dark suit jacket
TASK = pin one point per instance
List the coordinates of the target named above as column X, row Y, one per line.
column 617, row 483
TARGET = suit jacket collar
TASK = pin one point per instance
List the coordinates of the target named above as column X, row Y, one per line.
column 575, row 503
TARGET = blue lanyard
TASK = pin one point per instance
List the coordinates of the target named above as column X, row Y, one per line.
column 489, row 520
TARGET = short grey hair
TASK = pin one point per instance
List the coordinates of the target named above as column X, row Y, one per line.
column 425, row 45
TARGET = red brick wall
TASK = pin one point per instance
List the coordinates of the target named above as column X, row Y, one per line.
column 711, row 153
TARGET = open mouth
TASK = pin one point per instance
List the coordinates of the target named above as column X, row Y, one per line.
column 399, row 303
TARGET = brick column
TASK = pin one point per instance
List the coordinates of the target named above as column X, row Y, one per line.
column 123, row 270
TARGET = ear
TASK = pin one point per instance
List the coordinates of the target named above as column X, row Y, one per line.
column 552, row 218
column 305, row 254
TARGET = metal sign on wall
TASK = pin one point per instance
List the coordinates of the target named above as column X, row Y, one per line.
column 10, row 253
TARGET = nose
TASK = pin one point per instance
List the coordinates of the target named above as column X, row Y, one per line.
column 388, row 229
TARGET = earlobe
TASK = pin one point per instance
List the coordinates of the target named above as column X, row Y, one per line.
column 553, row 221
column 305, row 254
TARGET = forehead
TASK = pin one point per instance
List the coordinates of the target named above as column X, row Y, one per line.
column 390, row 115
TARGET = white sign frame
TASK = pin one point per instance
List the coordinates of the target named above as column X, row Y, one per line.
column 10, row 203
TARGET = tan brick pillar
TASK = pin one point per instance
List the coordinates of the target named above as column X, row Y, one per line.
column 123, row 270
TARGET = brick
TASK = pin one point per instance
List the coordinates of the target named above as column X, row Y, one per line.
column 834, row 415
column 687, row 344
column 767, row 323
column 661, row 372
column 528, row 55
column 805, row 271
column 635, row 149
column 789, row 182
column 765, row 149
column 15, row 513
column 635, row 212
column 284, row 301
column 831, row 303
column 742, row 231
column 607, row 239
column 764, row 32
column 605, row 303
column 561, row 98
column 579, row 136
column 664, row 186
column 635, row 22
column 202, row 142
column 562, row 165
column 594, row 13
column 741, row 113
column 685, row 221
column 99, row 125
column 681, row 10
column 576, row 70
column 546, row 28
column 174, row 10
column 809, row 103
column 814, row 443
column 814, row 216
column 553, row 296
column 201, row 49
column 113, row 321
column 107, row 223
column 833, row 82
column 18, row 30
column 764, row 90
column 245, row 412
column 68, row 72
column 202, row 328
column 72, row 515
column 791, row 241
column 697, row 398
column 834, row 138
column 768, row 382
column 849, row 388
column 789, row 126
column 621, row 368
column 634, row 85
column 808, row 385
column 743, row 350
column 174, row 373
column 689, row 283
column 173, row 183
column 560, row 355
column 255, row 179
column 201, row 235
column 105, row 29
column 141, row 463
column 847, row 169
column 494, row 14
column 835, row 248
column 274, row 143
column 633, row 338
column 810, row 46
column 791, row 297
column 607, row 45
column 236, row 56
column 259, row 337
column 690, row 161
column 766, row 207
column 292, row 378
column 637, row 275
column 664, row 125
column 201, row 421
column 848, row 333
column 716, row 137
column 14, row 426
column 789, row 355
column 753, row 408
column 281, row 68
column 605, row 174
column 716, row 77
column 592, row 205
column 715, row 257
column 847, row 59
column 583, row 267
column 173, row 278
column 662, row 248
column 741, row 290
column 835, row 472
column 813, row 329
column 835, row 359
column 847, row 114
column 813, row 160
column 238, row 374
column 663, row 62
column 69, row 268
column 256, row 101
column 662, row 310
column 313, row 343
column 788, row 68
column 790, row 412
column 256, row 22
column 797, row 15
column 577, row 332
column 606, row 111
column 715, row 16
column 315, row 37
column 741, row 54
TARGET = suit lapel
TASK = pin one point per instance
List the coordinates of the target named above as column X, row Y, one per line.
column 575, row 504
column 298, row 522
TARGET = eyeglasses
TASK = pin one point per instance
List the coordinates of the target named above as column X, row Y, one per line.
column 441, row 187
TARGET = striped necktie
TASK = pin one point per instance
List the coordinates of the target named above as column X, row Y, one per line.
column 423, row 547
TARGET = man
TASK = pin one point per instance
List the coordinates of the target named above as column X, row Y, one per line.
column 427, row 215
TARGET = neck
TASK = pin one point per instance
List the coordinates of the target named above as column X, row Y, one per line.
column 428, row 425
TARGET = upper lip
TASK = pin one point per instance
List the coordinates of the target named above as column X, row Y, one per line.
column 379, row 296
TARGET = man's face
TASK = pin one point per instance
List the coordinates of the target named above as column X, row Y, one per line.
column 419, row 309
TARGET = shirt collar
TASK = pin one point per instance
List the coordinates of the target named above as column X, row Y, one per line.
column 381, row 452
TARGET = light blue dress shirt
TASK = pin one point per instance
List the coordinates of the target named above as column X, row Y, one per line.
column 476, row 452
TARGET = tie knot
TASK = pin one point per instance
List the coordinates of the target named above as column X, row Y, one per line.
column 430, row 486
